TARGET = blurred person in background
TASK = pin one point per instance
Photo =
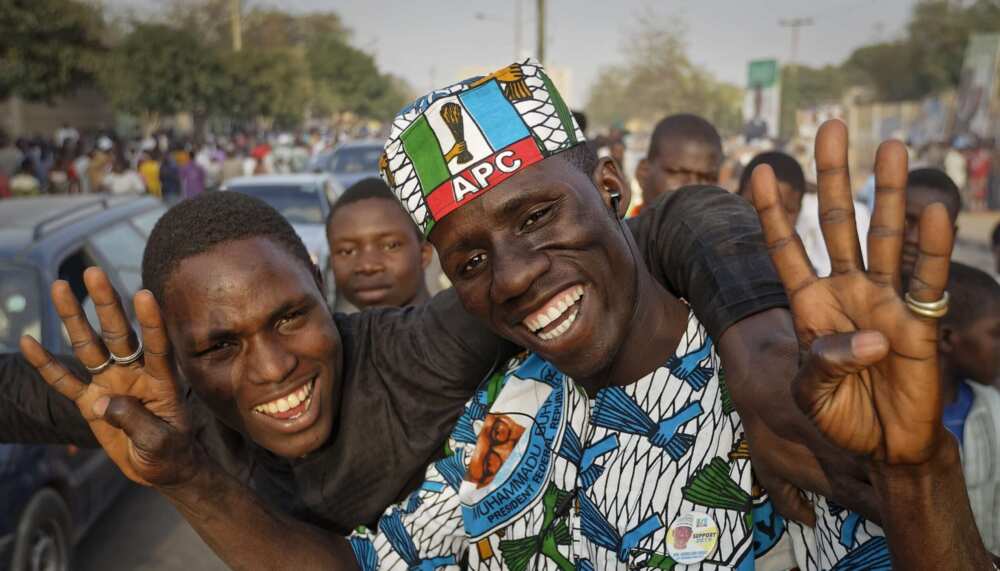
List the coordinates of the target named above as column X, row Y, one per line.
column 191, row 174
column 956, row 168
column 377, row 253
column 684, row 149
column 232, row 165
column 122, row 179
column 24, row 182
column 11, row 157
column 924, row 187
column 81, row 164
column 995, row 246
column 791, row 181
column 149, row 169
column 65, row 134
column 970, row 364
column 170, row 178
column 100, row 163
column 979, row 166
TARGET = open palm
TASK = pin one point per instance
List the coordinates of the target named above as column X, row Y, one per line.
column 149, row 383
column 871, row 382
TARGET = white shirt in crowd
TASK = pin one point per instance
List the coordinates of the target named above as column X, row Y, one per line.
column 812, row 236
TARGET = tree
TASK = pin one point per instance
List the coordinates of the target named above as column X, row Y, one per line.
column 658, row 79
column 47, row 47
column 160, row 70
column 269, row 83
column 347, row 79
column 803, row 87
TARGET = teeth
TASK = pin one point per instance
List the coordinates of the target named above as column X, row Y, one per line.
column 563, row 327
column 553, row 310
column 286, row 403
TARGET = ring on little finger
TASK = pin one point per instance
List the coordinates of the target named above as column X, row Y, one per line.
column 933, row 309
column 131, row 358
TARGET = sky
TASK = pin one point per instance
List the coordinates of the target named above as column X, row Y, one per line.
column 436, row 42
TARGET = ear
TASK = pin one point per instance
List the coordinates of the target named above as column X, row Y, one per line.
column 609, row 180
column 642, row 171
column 426, row 254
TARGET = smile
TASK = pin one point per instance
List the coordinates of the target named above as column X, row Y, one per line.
column 557, row 316
column 289, row 406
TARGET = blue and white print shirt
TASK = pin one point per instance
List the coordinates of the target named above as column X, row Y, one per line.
column 540, row 476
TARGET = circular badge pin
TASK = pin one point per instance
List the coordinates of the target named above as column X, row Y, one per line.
column 692, row 538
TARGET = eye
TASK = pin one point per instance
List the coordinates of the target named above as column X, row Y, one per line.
column 389, row 246
column 291, row 318
column 217, row 350
column 473, row 264
column 535, row 216
column 344, row 251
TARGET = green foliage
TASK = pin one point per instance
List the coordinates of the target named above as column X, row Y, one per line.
column 658, row 79
column 347, row 79
column 159, row 70
column 266, row 82
column 47, row 47
column 803, row 87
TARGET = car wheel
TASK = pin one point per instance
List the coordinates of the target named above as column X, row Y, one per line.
column 43, row 534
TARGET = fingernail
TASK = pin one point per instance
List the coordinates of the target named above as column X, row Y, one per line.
column 867, row 344
column 101, row 406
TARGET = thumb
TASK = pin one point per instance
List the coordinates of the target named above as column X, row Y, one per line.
column 148, row 433
column 790, row 503
column 833, row 357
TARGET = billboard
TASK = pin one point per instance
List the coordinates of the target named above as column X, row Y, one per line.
column 976, row 111
column 762, row 101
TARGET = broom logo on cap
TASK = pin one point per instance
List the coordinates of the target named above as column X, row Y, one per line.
column 451, row 113
column 383, row 165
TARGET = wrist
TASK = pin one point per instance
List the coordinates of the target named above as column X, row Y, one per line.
column 943, row 462
column 195, row 479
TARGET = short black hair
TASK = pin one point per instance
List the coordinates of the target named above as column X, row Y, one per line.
column 936, row 179
column 212, row 219
column 582, row 156
column 684, row 126
column 364, row 189
column 581, row 120
column 972, row 291
column 786, row 169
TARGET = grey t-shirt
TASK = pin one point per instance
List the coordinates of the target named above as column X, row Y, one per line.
column 408, row 372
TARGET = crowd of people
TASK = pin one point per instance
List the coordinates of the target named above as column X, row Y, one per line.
column 603, row 387
column 163, row 164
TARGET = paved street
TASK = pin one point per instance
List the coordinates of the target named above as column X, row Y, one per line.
column 143, row 532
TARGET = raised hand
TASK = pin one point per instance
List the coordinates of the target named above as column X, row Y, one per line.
column 870, row 382
column 133, row 408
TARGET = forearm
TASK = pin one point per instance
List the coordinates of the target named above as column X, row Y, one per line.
column 926, row 514
column 246, row 534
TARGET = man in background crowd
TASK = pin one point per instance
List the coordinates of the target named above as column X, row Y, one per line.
column 791, row 181
column 925, row 186
column 378, row 255
column 684, row 149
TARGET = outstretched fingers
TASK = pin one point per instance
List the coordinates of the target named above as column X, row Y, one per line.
column 786, row 249
column 154, row 336
column 930, row 276
column 836, row 202
column 87, row 346
column 116, row 330
column 51, row 370
column 885, row 235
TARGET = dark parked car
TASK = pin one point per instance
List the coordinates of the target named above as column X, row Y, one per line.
column 50, row 495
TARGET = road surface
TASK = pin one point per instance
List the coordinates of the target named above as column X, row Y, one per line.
column 143, row 532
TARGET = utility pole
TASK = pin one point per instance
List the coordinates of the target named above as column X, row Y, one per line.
column 541, row 31
column 236, row 22
column 794, row 25
column 517, row 29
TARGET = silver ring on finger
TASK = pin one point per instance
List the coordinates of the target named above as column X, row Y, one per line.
column 102, row 367
column 131, row 358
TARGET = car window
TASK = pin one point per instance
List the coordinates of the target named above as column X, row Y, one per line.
column 145, row 221
column 121, row 246
column 351, row 160
column 299, row 204
column 20, row 305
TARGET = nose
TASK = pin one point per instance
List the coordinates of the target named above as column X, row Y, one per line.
column 269, row 360
column 370, row 262
column 514, row 270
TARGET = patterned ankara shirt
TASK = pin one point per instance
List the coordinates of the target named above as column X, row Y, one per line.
column 540, row 476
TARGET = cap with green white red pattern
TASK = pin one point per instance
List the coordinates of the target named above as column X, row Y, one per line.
column 454, row 144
